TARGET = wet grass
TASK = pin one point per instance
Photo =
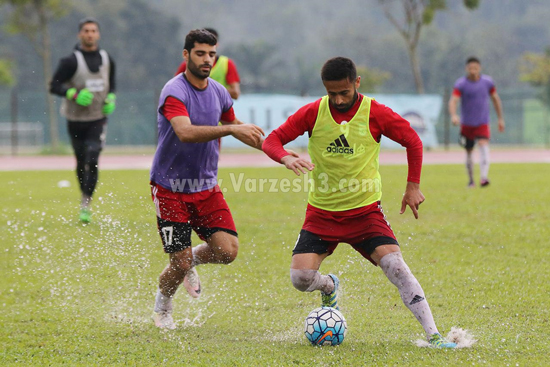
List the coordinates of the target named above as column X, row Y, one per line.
column 82, row 295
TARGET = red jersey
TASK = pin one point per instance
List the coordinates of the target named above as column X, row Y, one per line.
column 232, row 73
column 382, row 121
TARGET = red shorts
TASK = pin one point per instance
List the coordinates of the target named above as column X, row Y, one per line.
column 475, row 132
column 363, row 228
column 205, row 212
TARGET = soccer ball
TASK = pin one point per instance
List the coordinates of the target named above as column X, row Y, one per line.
column 325, row 326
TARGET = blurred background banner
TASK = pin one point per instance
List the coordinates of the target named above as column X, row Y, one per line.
column 422, row 112
column 270, row 111
column 24, row 124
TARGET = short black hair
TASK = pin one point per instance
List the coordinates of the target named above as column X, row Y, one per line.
column 199, row 36
column 473, row 59
column 339, row 68
column 87, row 20
column 213, row 31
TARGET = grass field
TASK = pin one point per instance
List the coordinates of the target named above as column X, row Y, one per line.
column 82, row 295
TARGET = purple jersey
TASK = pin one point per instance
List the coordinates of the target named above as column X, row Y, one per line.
column 189, row 167
column 474, row 104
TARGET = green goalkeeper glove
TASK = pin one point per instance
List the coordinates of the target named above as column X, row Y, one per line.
column 109, row 106
column 82, row 98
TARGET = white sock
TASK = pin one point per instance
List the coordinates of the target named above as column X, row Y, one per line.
column 196, row 261
column 470, row 165
column 162, row 303
column 307, row 280
column 484, row 161
column 410, row 290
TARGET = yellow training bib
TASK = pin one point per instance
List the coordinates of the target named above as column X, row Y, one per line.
column 346, row 172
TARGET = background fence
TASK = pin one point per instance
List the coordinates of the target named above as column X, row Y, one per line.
column 24, row 121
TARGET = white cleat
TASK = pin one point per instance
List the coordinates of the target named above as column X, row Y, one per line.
column 164, row 320
column 192, row 283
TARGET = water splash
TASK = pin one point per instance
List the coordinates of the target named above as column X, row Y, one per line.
column 463, row 339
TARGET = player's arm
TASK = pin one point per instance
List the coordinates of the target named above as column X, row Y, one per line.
column 303, row 120
column 112, row 75
column 176, row 112
column 453, row 103
column 242, row 131
column 498, row 108
column 64, row 72
column 384, row 121
column 189, row 133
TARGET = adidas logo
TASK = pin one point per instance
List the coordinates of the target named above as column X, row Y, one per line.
column 340, row 145
column 416, row 299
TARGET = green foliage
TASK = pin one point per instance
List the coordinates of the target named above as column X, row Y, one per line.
column 535, row 69
column 371, row 78
column 25, row 15
column 83, row 295
column 472, row 4
column 6, row 73
column 431, row 8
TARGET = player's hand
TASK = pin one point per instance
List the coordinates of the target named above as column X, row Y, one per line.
column 297, row 164
column 455, row 119
column 110, row 104
column 413, row 197
column 249, row 134
column 501, row 125
column 82, row 98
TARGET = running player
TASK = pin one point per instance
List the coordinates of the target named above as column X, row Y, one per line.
column 474, row 91
column 184, row 173
column 86, row 80
column 344, row 130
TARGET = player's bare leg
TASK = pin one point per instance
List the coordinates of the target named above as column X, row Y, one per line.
column 389, row 258
column 220, row 248
column 169, row 281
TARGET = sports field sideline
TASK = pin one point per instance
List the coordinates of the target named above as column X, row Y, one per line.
column 253, row 159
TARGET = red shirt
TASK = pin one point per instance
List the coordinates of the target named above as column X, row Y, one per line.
column 382, row 121
column 232, row 73
column 173, row 107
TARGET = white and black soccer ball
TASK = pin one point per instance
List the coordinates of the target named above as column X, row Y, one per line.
column 325, row 326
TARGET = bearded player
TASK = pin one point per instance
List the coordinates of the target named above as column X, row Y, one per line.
column 345, row 129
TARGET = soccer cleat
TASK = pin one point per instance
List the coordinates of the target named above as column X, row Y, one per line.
column 192, row 283
column 85, row 215
column 164, row 320
column 471, row 184
column 484, row 183
column 331, row 299
column 437, row 341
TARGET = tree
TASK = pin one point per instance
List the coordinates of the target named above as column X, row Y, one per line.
column 535, row 69
column 415, row 14
column 31, row 18
column 6, row 74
